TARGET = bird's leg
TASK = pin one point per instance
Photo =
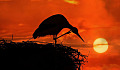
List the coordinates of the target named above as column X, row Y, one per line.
column 64, row 34
column 55, row 38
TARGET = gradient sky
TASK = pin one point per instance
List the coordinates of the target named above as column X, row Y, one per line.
column 94, row 19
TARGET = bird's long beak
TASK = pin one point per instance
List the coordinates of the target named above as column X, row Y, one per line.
column 80, row 37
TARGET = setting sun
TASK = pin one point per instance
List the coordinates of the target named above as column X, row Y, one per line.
column 100, row 45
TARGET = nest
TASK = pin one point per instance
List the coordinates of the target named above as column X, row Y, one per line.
column 27, row 55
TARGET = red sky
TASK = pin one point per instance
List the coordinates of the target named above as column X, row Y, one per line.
column 94, row 19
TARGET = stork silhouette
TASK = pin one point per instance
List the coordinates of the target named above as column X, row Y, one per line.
column 53, row 25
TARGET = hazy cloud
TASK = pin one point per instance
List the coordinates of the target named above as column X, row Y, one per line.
column 71, row 1
column 113, row 8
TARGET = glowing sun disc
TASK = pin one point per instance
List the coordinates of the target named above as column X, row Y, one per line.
column 100, row 45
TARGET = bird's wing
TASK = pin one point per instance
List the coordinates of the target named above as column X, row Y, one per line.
column 47, row 26
column 50, row 22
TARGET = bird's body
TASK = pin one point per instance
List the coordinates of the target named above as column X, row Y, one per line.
column 53, row 25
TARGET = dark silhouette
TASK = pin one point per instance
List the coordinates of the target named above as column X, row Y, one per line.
column 53, row 25
column 30, row 55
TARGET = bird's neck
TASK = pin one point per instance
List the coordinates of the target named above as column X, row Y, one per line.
column 71, row 27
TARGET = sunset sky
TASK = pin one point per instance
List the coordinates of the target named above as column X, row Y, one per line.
column 93, row 18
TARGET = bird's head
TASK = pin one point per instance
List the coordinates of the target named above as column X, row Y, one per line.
column 75, row 30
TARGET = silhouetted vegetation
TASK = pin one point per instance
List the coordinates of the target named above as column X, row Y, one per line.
column 30, row 55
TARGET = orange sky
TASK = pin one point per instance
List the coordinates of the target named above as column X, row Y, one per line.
column 94, row 19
